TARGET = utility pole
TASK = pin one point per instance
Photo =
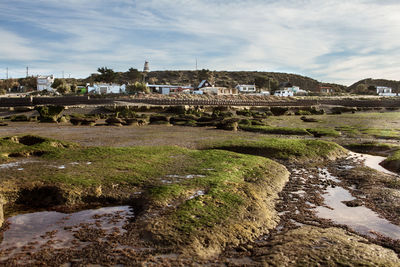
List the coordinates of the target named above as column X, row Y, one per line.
column 269, row 84
column 7, row 73
column 63, row 74
column 196, row 63
column 27, row 72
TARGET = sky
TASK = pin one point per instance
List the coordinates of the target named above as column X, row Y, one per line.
column 331, row 41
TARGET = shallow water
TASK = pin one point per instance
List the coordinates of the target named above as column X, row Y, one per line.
column 361, row 219
column 16, row 164
column 33, row 231
column 371, row 161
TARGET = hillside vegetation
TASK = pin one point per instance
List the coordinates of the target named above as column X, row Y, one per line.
column 395, row 85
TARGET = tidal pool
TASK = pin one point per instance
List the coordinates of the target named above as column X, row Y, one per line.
column 49, row 229
column 360, row 219
column 371, row 161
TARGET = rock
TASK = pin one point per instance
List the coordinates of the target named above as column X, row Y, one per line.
column 313, row 246
column 114, row 121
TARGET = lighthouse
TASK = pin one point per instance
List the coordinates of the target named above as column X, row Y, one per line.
column 146, row 68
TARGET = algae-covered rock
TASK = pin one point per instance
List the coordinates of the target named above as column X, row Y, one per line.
column 281, row 148
column 235, row 210
column 228, row 124
column 393, row 162
column 114, row 121
column 49, row 113
column 312, row 246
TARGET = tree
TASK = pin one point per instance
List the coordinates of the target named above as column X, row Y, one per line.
column 57, row 82
column 266, row 82
column 133, row 75
column 28, row 82
column 137, row 87
column 261, row 82
column 61, row 86
column 361, row 89
column 106, row 75
column 203, row 75
column 64, row 88
column 372, row 89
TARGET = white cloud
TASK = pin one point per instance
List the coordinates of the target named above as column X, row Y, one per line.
column 14, row 47
column 327, row 40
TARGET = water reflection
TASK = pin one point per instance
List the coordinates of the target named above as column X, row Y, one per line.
column 361, row 219
column 33, row 231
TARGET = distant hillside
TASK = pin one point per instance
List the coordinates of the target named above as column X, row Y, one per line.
column 395, row 85
column 232, row 78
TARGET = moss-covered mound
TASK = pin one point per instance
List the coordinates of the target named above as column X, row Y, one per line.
column 393, row 162
column 280, row 148
column 232, row 204
column 27, row 145
column 380, row 149
column 194, row 201
column 312, row 246
column 274, row 130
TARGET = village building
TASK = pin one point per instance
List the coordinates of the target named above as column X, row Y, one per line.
column 283, row 92
column 246, row 88
column 166, row 89
column 326, row 90
column 107, row 88
column 384, row 91
column 219, row 91
column 45, row 82
column 207, row 88
column 204, row 83
column 292, row 89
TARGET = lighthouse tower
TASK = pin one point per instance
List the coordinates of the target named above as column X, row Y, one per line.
column 146, row 68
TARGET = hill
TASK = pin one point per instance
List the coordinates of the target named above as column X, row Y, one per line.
column 232, row 78
column 395, row 85
column 218, row 78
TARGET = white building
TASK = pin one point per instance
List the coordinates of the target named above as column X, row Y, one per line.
column 166, row 89
column 246, row 88
column 283, row 92
column 45, row 82
column 384, row 91
column 219, row 91
column 106, row 88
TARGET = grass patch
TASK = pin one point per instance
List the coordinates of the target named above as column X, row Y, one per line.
column 319, row 132
column 279, row 148
column 274, row 130
column 382, row 133
column 210, row 188
column 393, row 162
column 371, row 147
column 29, row 145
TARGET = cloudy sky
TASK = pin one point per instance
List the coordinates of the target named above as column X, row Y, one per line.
column 329, row 40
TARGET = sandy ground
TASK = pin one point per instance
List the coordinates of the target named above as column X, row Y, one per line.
column 154, row 135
